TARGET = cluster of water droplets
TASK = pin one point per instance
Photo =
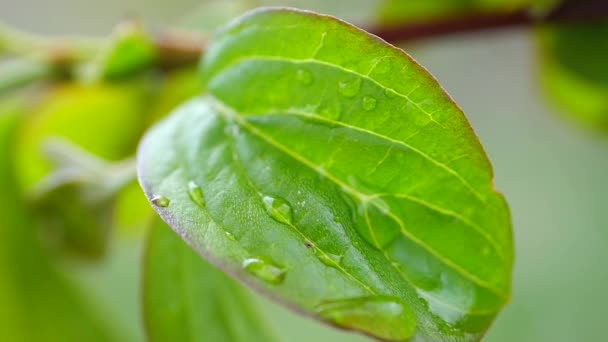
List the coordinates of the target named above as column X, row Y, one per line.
column 196, row 194
column 278, row 208
column 265, row 270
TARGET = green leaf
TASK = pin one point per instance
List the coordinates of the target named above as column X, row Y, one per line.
column 130, row 51
column 105, row 120
column 186, row 299
column 38, row 303
column 74, row 203
column 328, row 169
column 574, row 69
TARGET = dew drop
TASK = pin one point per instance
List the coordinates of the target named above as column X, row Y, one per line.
column 196, row 194
column 278, row 208
column 349, row 88
column 369, row 103
column 389, row 93
column 264, row 270
column 160, row 201
column 383, row 317
column 230, row 236
column 329, row 259
column 331, row 110
column 304, row 76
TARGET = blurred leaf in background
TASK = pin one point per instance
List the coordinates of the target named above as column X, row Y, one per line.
column 71, row 185
column 574, row 69
column 104, row 119
column 129, row 51
column 187, row 299
column 400, row 12
column 38, row 302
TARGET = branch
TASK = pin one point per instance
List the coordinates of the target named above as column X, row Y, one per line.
column 188, row 52
column 178, row 49
column 568, row 11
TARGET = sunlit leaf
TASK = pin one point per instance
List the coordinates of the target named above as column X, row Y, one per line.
column 71, row 189
column 336, row 175
column 186, row 299
column 38, row 303
column 105, row 120
column 574, row 69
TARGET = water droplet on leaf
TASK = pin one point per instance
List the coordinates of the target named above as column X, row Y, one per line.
column 160, row 201
column 331, row 110
column 389, row 93
column 384, row 317
column 230, row 236
column 369, row 103
column 278, row 208
column 196, row 194
column 264, row 270
column 349, row 88
column 304, row 76
column 329, row 259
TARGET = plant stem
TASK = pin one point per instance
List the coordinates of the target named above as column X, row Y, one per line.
column 177, row 49
column 567, row 11
column 50, row 49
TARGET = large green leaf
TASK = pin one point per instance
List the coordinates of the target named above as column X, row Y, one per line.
column 186, row 299
column 328, row 169
column 574, row 69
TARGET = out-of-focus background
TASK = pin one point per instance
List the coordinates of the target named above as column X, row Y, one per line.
column 551, row 170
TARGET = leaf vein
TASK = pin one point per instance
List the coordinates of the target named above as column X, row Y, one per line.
column 227, row 111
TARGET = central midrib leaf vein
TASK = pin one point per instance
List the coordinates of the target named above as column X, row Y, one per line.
column 255, row 190
column 231, row 114
column 431, row 206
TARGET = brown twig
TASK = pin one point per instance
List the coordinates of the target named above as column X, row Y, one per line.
column 177, row 49
column 568, row 11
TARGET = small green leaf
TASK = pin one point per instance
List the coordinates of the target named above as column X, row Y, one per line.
column 130, row 51
column 186, row 299
column 338, row 177
column 574, row 69
column 74, row 203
